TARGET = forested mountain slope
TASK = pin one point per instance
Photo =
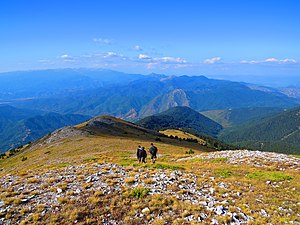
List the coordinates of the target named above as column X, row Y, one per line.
column 279, row 133
column 181, row 118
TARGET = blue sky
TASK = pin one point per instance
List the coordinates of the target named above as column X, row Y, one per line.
column 194, row 37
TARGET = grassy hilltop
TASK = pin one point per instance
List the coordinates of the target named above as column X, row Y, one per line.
column 88, row 174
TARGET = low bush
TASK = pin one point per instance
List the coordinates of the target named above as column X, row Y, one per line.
column 139, row 192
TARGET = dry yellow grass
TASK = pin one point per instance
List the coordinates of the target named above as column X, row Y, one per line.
column 92, row 149
column 122, row 150
column 182, row 134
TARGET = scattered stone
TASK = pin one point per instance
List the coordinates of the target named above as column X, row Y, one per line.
column 253, row 158
column 264, row 213
column 24, row 200
column 219, row 210
column 203, row 203
column 146, row 210
column 214, row 222
column 208, row 194
column 223, row 185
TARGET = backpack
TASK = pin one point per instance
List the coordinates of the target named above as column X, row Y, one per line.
column 153, row 150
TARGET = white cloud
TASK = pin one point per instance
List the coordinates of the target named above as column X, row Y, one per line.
column 289, row 61
column 66, row 56
column 270, row 60
column 102, row 41
column 161, row 60
column 212, row 60
column 137, row 48
column 169, row 59
column 248, row 62
column 111, row 55
column 143, row 56
column 151, row 65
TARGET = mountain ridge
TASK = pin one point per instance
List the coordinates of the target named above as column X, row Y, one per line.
column 94, row 177
column 182, row 117
column 20, row 126
column 147, row 95
column 279, row 132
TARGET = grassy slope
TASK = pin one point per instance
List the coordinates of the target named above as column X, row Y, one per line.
column 279, row 132
column 181, row 134
column 121, row 150
column 112, row 149
column 181, row 117
column 234, row 117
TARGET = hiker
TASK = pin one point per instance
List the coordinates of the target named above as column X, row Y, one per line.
column 153, row 152
column 139, row 153
column 143, row 155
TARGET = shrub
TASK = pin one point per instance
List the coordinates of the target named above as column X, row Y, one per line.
column 139, row 192
column 189, row 152
column 272, row 176
column 163, row 166
column 224, row 173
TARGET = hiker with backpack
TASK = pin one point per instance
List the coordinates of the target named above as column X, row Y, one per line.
column 139, row 153
column 153, row 151
column 143, row 155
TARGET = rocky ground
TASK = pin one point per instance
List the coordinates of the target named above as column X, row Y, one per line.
column 252, row 158
column 111, row 194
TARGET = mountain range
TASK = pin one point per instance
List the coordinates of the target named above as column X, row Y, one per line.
column 182, row 117
column 20, row 126
column 89, row 173
column 279, row 133
column 131, row 97
column 42, row 101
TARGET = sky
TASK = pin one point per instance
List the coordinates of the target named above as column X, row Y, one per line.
column 217, row 38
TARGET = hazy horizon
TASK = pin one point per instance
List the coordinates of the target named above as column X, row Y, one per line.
column 221, row 39
column 269, row 81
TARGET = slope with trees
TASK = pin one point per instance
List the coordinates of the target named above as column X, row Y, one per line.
column 181, row 118
column 280, row 133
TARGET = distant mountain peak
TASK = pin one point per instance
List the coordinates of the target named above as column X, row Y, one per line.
column 182, row 117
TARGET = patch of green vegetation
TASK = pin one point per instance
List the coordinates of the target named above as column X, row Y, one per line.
column 196, row 160
column 124, row 154
column 272, row 176
column 224, row 173
column 163, row 166
column 127, row 161
column 139, row 192
column 218, row 160
column 62, row 165
column 90, row 159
